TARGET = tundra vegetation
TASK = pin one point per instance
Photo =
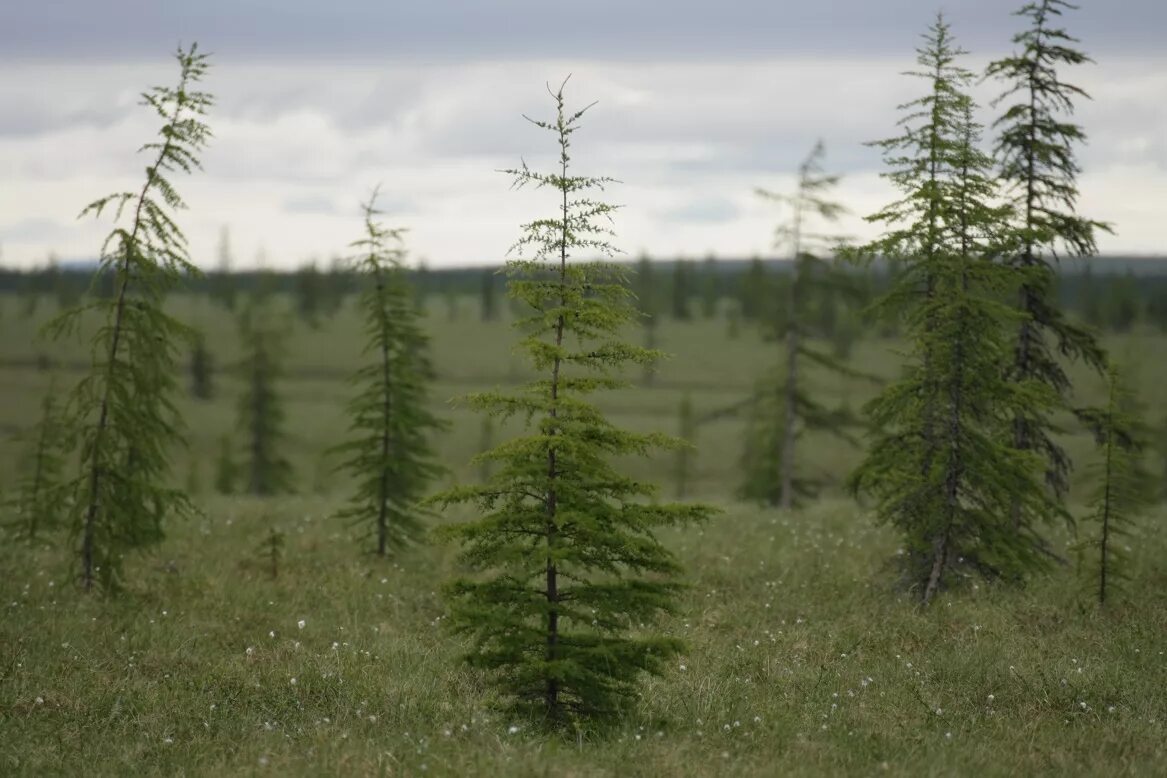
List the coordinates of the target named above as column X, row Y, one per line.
column 964, row 614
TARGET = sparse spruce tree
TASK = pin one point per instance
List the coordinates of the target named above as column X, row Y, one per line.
column 122, row 413
column 938, row 466
column 489, row 306
column 261, row 413
column 710, row 287
column 811, row 276
column 755, row 291
column 759, row 462
column 39, row 501
column 569, row 575
column 1124, row 485
column 682, row 290
column 1035, row 152
column 222, row 284
column 310, row 294
column 226, row 470
column 389, row 455
column 201, row 386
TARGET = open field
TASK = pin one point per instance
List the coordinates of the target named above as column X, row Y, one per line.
column 802, row 659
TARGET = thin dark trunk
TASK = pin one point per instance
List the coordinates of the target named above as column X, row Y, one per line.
column 1023, row 367
column 129, row 246
column 386, row 416
column 551, row 693
column 790, row 401
column 1104, row 545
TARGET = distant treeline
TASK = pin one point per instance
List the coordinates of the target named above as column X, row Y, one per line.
column 1113, row 293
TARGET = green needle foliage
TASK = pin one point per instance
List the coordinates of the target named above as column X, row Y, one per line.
column 937, row 465
column 798, row 410
column 122, row 412
column 261, row 412
column 1124, row 484
column 570, row 576
column 1035, row 151
column 390, row 454
column 40, row 498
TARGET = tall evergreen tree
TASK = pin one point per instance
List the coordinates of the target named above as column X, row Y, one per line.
column 565, row 549
column 201, row 369
column 261, row 412
column 811, row 276
column 1035, row 152
column 123, row 412
column 389, row 455
column 1124, row 484
column 937, row 467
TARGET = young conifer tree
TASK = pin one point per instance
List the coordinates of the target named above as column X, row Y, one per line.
column 1035, row 152
column 123, row 411
column 40, row 498
column 390, row 454
column 201, row 369
column 565, row 553
column 1124, row 484
column 261, row 412
column 799, row 410
column 938, row 467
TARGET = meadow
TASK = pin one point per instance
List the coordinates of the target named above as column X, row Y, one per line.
column 803, row 657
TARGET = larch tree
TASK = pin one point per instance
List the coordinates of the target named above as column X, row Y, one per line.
column 389, row 454
column 1123, row 485
column 797, row 409
column 266, row 471
column 40, row 500
column 201, row 369
column 570, row 576
column 1035, row 152
column 123, row 413
column 938, row 466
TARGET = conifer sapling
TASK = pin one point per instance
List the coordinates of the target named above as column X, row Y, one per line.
column 1124, row 484
column 123, row 411
column 564, row 547
column 1035, row 153
column 390, row 455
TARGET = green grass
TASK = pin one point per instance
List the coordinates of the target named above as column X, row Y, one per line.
column 803, row 658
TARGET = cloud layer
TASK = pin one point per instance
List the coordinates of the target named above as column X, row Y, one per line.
column 298, row 143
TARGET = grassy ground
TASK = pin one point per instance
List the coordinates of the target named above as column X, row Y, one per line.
column 802, row 657
column 802, row 661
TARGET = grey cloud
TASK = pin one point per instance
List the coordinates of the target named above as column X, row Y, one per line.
column 470, row 29
column 311, row 204
column 713, row 210
column 35, row 229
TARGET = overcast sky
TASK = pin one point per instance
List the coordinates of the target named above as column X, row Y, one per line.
column 698, row 104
